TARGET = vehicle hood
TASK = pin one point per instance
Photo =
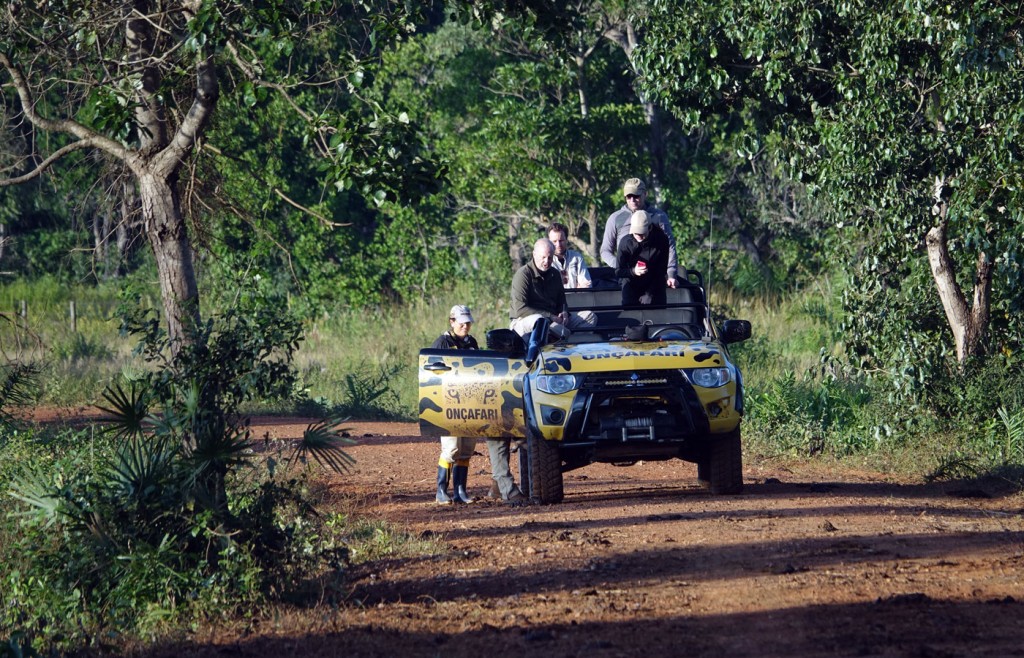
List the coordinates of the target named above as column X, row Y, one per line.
column 630, row 355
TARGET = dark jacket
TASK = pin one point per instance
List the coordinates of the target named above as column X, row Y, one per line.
column 534, row 291
column 447, row 341
column 617, row 227
column 653, row 251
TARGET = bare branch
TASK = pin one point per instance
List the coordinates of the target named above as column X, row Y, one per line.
column 304, row 209
column 45, row 164
column 66, row 126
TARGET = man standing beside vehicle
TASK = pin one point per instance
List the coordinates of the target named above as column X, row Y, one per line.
column 617, row 227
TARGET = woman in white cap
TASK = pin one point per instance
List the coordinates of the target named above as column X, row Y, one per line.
column 456, row 451
column 643, row 262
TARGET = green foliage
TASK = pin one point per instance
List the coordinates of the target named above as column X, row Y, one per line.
column 1013, row 449
column 759, row 229
column 974, row 394
column 55, row 253
column 46, row 225
column 170, row 513
column 813, row 414
column 110, row 545
column 895, row 327
column 527, row 135
column 285, row 83
column 901, row 116
column 17, row 388
column 992, row 448
column 365, row 393
column 17, row 646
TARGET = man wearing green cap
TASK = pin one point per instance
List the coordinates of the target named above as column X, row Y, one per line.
column 617, row 227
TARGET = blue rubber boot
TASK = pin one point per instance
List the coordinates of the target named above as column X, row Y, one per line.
column 459, row 475
column 443, row 475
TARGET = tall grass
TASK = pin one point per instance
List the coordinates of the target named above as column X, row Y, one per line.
column 359, row 361
column 802, row 398
column 789, row 334
column 75, row 365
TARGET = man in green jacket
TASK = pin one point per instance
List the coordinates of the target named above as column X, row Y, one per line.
column 537, row 293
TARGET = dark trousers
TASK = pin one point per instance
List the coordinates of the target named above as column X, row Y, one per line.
column 636, row 292
column 498, row 450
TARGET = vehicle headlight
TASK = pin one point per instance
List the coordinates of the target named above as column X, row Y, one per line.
column 557, row 384
column 709, row 377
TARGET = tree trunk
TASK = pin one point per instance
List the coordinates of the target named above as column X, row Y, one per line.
column 516, row 249
column 594, row 242
column 165, row 227
column 127, row 228
column 589, row 183
column 99, row 258
column 968, row 323
column 626, row 38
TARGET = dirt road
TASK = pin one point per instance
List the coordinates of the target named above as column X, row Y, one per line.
column 639, row 561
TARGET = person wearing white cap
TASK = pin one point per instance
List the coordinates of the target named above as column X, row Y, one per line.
column 456, row 451
column 617, row 227
column 643, row 262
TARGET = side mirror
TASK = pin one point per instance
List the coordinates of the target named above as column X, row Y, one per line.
column 734, row 331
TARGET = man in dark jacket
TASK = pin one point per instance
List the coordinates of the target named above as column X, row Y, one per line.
column 643, row 262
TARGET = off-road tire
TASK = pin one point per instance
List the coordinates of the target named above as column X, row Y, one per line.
column 725, row 464
column 545, row 470
column 703, row 470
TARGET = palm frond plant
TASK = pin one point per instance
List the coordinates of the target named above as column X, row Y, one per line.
column 35, row 489
column 1013, row 449
column 323, row 441
column 17, row 388
column 128, row 409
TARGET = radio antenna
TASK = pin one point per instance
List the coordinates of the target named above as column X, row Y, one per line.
column 711, row 245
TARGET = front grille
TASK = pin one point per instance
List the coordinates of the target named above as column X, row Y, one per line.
column 637, row 379
column 637, row 382
column 627, row 406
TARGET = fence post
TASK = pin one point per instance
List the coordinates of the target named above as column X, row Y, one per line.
column 23, row 311
column 74, row 318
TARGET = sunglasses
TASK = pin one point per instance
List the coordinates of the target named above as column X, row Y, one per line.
column 635, row 197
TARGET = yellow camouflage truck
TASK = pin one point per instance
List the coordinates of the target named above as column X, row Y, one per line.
column 645, row 383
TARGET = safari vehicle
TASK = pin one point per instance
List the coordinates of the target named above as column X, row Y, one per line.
column 645, row 383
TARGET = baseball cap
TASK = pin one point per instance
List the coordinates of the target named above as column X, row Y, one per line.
column 634, row 186
column 639, row 222
column 460, row 313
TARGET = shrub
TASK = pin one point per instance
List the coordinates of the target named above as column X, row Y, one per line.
column 170, row 512
column 367, row 393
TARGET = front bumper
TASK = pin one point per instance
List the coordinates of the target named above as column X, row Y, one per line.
column 630, row 415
